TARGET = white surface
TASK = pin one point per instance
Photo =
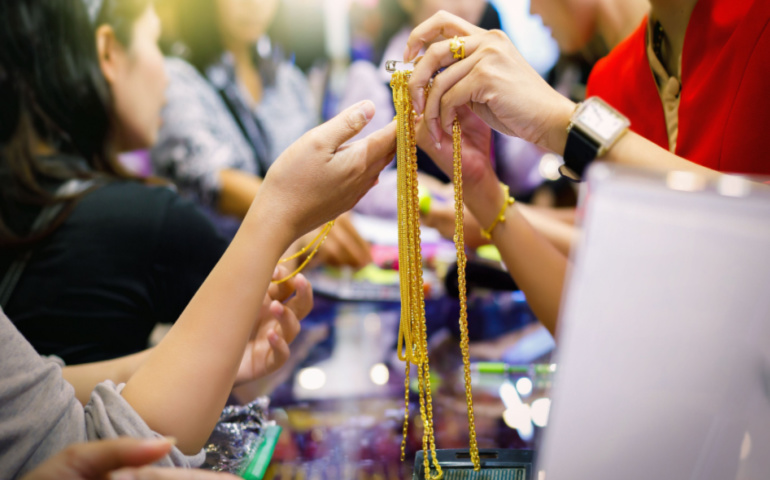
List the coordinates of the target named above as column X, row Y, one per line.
column 664, row 362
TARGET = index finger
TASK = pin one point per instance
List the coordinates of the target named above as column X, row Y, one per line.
column 378, row 145
column 443, row 25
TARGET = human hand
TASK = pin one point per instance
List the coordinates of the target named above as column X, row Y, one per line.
column 278, row 325
column 442, row 218
column 476, row 148
column 117, row 459
column 345, row 246
column 318, row 178
column 480, row 183
column 493, row 79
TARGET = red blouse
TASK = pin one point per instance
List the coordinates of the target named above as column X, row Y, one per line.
column 724, row 109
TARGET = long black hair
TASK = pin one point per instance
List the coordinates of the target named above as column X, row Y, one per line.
column 53, row 94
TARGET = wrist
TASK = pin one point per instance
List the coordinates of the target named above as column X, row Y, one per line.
column 485, row 200
column 555, row 139
column 261, row 220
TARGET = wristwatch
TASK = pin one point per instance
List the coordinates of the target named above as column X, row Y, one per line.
column 593, row 129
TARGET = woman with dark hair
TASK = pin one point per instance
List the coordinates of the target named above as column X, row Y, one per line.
column 81, row 80
column 230, row 117
column 91, row 259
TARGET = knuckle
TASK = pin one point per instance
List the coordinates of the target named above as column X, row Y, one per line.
column 351, row 123
column 497, row 34
column 446, row 103
column 432, row 51
column 316, row 140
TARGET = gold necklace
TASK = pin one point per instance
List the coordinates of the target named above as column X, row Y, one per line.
column 317, row 241
column 412, row 335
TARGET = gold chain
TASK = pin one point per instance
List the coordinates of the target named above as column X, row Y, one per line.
column 317, row 241
column 412, row 335
column 461, row 263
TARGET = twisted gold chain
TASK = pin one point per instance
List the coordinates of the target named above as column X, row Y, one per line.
column 412, row 335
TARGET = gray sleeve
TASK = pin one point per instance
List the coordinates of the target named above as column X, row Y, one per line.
column 108, row 415
column 287, row 109
column 40, row 415
column 199, row 136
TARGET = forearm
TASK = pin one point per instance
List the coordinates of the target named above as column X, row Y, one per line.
column 183, row 385
column 538, row 267
column 551, row 226
column 631, row 149
column 237, row 192
column 85, row 377
column 635, row 150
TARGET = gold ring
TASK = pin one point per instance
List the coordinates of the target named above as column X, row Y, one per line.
column 457, row 47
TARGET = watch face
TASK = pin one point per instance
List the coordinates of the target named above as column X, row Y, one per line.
column 601, row 120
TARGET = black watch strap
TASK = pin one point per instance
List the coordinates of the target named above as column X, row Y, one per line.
column 580, row 151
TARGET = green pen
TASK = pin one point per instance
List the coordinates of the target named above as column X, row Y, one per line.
column 260, row 459
column 502, row 368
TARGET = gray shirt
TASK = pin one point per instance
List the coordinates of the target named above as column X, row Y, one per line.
column 200, row 136
column 40, row 416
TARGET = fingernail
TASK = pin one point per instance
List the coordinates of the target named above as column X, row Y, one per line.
column 300, row 281
column 436, row 142
column 364, row 112
column 277, row 308
column 273, row 337
column 171, row 440
column 276, row 273
column 417, row 102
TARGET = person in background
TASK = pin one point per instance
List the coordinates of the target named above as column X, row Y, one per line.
column 232, row 111
column 91, row 258
column 574, row 23
column 494, row 84
column 702, row 96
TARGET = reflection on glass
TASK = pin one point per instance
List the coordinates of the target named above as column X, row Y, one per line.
column 379, row 374
column 311, row 378
column 524, row 386
column 540, row 410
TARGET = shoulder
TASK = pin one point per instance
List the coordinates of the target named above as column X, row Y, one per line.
column 128, row 207
column 130, row 195
column 187, row 87
column 179, row 70
column 129, row 210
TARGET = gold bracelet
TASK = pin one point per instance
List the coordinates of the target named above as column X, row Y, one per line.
column 487, row 233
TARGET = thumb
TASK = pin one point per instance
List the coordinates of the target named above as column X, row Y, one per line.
column 346, row 125
column 95, row 459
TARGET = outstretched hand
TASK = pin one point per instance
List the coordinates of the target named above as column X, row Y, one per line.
column 319, row 176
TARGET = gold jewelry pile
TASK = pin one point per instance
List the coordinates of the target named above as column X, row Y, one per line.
column 412, row 335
